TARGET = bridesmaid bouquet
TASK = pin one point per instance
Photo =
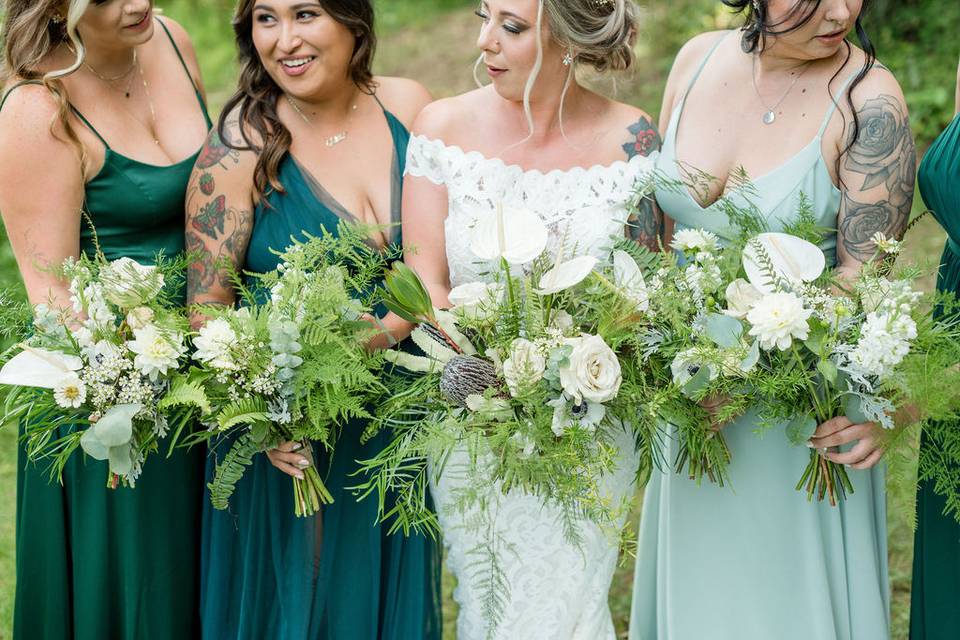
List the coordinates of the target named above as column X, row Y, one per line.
column 295, row 367
column 533, row 372
column 108, row 371
column 763, row 324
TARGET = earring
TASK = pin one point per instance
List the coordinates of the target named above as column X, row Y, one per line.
column 568, row 58
column 57, row 19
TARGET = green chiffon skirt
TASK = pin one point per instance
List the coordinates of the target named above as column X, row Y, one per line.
column 336, row 576
column 108, row 564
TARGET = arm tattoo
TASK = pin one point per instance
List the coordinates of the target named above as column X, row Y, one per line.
column 217, row 234
column 645, row 222
column 885, row 156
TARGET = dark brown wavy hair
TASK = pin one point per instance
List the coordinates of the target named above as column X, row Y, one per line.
column 257, row 93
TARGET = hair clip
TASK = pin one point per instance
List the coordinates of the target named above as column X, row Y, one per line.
column 599, row 4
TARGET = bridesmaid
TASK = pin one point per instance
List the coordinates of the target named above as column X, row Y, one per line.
column 100, row 97
column 310, row 138
column 805, row 113
column 936, row 561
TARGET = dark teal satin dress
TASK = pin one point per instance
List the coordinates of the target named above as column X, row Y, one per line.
column 935, row 595
column 337, row 576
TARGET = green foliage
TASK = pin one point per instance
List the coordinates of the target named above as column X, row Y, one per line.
column 230, row 470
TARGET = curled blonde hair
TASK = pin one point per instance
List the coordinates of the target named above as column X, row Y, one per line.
column 30, row 33
column 598, row 33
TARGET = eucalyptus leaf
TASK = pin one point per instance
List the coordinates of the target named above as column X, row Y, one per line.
column 748, row 363
column 801, row 429
column 697, row 383
column 723, row 330
column 115, row 428
column 92, row 446
column 853, row 409
column 828, row 370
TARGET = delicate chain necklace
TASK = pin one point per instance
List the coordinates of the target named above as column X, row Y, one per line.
column 153, row 112
column 331, row 141
column 770, row 115
column 133, row 65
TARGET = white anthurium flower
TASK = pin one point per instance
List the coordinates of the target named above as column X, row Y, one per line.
column 34, row 367
column 476, row 300
column 741, row 296
column 628, row 277
column 70, row 392
column 565, row 275
column 791, row 258
column 524, row 367
column 593, row 371
column 156, row 351
column 778, row 319
column 516, row 235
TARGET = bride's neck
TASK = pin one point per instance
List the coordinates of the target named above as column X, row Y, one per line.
column 548, row 109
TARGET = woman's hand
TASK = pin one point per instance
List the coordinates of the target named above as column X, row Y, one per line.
column 839, row 431
column 286, row 458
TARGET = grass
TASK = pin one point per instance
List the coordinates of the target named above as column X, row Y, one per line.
column 432, row 41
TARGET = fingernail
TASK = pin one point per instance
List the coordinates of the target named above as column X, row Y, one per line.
column 299, row 476
column 303, row 463
column 811, row 445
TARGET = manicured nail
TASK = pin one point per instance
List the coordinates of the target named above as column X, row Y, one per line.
column 811, row 445
column 303, row 463
column 299, row 476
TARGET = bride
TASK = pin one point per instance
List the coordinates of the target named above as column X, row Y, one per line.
column 534, row 138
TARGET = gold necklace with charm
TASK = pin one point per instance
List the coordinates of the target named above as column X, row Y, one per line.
column 330, row 141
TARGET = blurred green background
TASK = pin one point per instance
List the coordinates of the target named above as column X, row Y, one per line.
column 432, row 41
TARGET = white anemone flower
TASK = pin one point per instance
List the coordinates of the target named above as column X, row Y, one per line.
column 588, row 415
column 516, row 235
column 778, row 319
column 70, row 392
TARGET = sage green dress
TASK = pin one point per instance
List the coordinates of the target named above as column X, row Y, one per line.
column 102, row 564
column 935, row 596
column 754, row 560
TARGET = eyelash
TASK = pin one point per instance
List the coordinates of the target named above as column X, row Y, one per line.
column 508, row 27
column 264, row 17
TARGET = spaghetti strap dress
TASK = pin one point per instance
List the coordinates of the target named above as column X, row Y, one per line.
column 101, row 564
column 338, row 575
column 754, row 560
column 934, row 598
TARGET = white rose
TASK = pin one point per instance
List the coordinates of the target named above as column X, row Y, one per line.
column 741, row 296
column 139, row 317
column 778, row 319
column 476, row 300
column 212, row 344
column 524, row 367
column 593, row 371
column 156, row 352
column 127, row 283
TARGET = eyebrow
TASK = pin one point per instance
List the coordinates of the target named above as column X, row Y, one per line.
column 296, row 7
column 507, row 14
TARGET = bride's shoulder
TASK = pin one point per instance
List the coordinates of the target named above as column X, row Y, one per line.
column 631, row 129
column 446, row 119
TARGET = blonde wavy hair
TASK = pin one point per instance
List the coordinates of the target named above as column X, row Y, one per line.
column 32, row 29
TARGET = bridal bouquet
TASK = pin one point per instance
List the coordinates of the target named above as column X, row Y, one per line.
column 294, row 367
column 763, row 324
column 108, row 371
column 533, row 372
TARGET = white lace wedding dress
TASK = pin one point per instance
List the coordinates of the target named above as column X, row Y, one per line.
column 557, row 591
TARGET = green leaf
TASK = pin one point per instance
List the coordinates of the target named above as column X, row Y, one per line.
column 723, row 330
column 229, row 472
column 853, row 409
column 816, row 340
column 184, row 392
column 120, row 462
column 828, row 370
column 697, row 383
column 92, row 446
column 748, row 363
column 801, row 429
column 115, row 428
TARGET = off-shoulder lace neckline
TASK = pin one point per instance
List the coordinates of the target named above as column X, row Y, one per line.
column 497, row 162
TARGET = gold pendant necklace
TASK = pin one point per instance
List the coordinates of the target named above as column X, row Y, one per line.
column 330, row 141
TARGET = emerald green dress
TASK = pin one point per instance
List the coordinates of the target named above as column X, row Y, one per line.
column 935, row 596
column 338, row 575
column 101, row 564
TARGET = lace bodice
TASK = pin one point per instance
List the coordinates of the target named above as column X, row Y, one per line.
column 582, row 207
